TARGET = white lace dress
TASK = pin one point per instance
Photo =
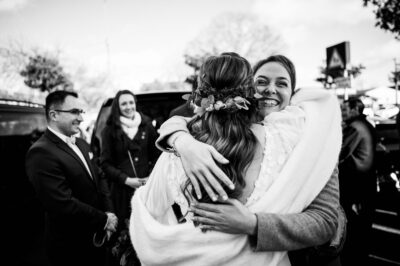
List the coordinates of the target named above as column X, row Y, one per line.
column 282, row 132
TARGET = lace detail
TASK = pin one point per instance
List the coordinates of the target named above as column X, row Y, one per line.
column 176, row 181
column 282, row 132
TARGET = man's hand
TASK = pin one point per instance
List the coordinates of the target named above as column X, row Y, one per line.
column 112, row 222
column 231, row 217
column 135, row 182
column 199, row 165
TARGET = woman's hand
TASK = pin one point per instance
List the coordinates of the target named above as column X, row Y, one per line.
column 198, row 160
column 135, row 182
column 230, row 217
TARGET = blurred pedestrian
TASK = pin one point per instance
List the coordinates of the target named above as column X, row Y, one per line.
column 357, row 180
column 75, row 199
column 128, row 154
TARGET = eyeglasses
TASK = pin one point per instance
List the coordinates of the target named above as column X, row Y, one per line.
column 74, row 111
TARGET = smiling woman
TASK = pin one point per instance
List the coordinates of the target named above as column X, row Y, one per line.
column 275, row 80
column 127, row 156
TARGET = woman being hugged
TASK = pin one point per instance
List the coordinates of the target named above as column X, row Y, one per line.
column 128, row 152
column 261, row 166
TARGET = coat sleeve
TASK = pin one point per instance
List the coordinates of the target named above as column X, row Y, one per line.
column 106, row 160
column 104, row 191
column 172, row 125
column 51, row 186
column 314, row 226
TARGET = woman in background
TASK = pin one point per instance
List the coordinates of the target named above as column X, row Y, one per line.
column 127, row 156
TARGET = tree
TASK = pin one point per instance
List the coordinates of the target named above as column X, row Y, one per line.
column 327, row 76
column 23, row 68
column 387, row 13
column 232, row 32
column 45, row 73
column 194, row 62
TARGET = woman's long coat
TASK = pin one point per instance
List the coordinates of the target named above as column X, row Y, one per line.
column 117, row 166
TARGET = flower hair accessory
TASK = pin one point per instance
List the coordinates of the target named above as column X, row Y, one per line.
column 232, row 104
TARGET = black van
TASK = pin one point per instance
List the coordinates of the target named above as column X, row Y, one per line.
column 21, row 124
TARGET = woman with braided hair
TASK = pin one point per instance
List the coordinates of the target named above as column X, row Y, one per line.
column 226, row 108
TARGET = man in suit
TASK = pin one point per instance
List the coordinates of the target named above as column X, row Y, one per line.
column 75, row 199
column 357, row 180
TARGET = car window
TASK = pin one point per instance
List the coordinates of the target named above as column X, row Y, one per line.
column 17, row 120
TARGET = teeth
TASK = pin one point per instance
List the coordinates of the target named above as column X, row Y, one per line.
column 271, row 103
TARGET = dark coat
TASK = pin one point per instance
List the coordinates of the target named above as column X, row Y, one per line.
column 116, row 164
column 75, row 204
column 182, row 110
column 356, row 163
column 357, row 187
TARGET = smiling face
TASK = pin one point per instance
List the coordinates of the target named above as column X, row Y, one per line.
column 273, row 82
column 127, row 105
column 67, row 123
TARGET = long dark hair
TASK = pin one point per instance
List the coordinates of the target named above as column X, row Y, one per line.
column 228, row 130
column 113, row 119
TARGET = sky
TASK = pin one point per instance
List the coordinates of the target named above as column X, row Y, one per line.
column 139, row 41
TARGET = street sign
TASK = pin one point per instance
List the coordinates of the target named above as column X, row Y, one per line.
column 342, row 82
column 338, row 56
column 336, row 61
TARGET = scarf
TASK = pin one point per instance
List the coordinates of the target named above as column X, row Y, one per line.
column 160, row 240
column 130, row 126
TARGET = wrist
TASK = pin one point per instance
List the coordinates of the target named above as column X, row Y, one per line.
column 174, row 140
column 252, row 225
column 182, row 141
column 173, row 137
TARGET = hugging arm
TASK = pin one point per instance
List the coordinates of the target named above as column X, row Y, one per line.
column 198, row 159
column 315, row 225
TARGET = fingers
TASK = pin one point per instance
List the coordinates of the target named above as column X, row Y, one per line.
column 218, row 156
column 206, row 227
column 204, row 220
column 204, row 208
column 207, row 187
column 195, row 185
column 215, row 185
column 218, row 172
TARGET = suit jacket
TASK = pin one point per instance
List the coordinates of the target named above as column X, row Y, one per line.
column 316, row 225
column 75, row 203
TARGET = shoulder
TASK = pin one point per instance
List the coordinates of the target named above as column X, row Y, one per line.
column 41, row 149
column 146, row 121
column 43, row 143
column 359, row 124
